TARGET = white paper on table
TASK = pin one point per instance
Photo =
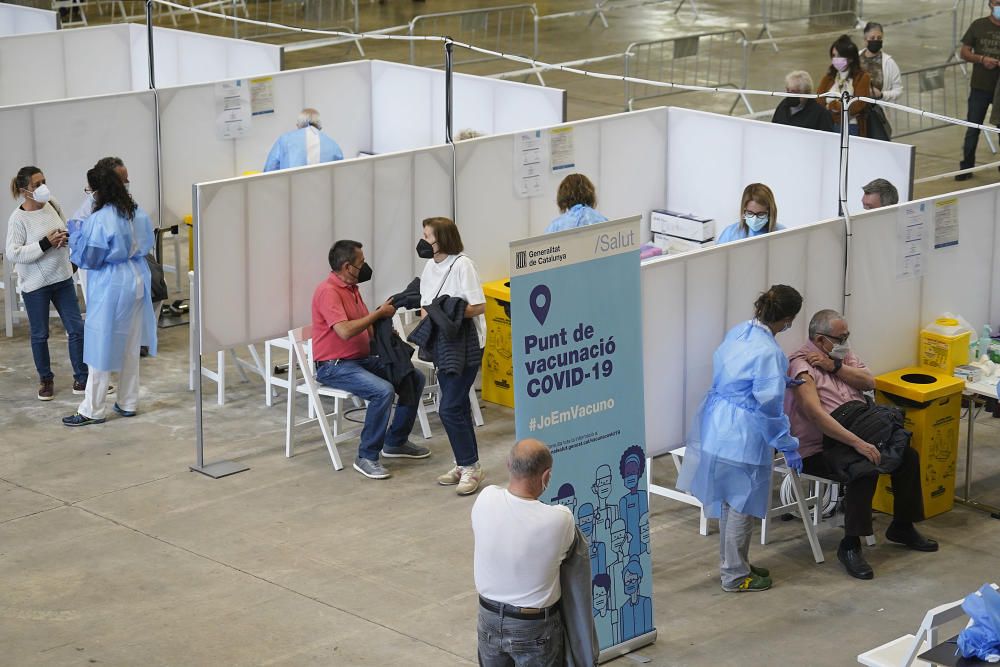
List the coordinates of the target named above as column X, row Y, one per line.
column 232, row 109
column 945, row 223
column 910, row 241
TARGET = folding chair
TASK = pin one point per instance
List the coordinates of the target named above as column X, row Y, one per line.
column 270, row 379
column 314, row 390
column 677, row 455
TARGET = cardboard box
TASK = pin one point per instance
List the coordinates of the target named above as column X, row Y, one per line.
column 674, row 244
column 683, row 225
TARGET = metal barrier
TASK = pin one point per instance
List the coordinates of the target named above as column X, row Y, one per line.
column 963, row 14
column 942, row 89
column 602, row 7
column 508, row 29
column 714, row 59
column 780, row 11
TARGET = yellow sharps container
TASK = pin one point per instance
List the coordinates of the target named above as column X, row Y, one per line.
column 498, row 364
column 932, row 403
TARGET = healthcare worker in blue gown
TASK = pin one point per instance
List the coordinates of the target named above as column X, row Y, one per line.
column 306, row 145
column 727, row 463
column 576, row 199
column 112, row 244
column 758, row 215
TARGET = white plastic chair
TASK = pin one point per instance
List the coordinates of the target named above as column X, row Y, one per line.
column 903, row 651
column 270, row 379
column 314, row 390
column 677, row 455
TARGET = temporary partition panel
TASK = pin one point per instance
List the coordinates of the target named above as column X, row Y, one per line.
column 887, row 310
column 713, row 157
column 409, row 110
column 114, row 59
column 263, row 240
column 18, row 20
column 625, row 155
column 65, row 138
column 689, row 302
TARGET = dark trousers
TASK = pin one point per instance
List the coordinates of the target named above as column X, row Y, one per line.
column 455, row 411
column 979, row 103
column 907, row 502
column 61, row 295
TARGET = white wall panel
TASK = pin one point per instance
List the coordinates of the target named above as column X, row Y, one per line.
column 223, row 237
column 19, row 73
column 402, row 102
column 18, row 20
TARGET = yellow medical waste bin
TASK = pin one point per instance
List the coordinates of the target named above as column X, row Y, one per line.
column 498, row 364
column 932, row 403
column 944, row 344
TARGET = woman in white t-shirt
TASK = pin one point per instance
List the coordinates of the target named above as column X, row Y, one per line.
column 449, row 272
column 37, row 245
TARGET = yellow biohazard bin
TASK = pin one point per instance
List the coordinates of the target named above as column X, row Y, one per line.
column 944, row 344
column 498, row 364
column 932, row 403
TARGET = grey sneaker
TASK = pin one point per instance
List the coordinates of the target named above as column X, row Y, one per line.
column 371, row 469
column 407, row 450
column 451, row 478
column 472, row 477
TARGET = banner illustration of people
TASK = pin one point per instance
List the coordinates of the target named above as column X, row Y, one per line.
column 575, row 299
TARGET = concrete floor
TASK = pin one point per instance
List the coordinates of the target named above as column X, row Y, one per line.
column 112, row 552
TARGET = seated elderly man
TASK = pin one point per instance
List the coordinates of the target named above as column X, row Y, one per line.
column 832, row 375
column 307, row 144
column 879, row 193
column 802, row 111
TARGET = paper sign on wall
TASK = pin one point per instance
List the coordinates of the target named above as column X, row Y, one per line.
column 261, row 96
column 529, row 164
column 910, row 232
column 232, row 109
column 945, row 223
column 561, row 149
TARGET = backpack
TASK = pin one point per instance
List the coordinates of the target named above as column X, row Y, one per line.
column 881, row 425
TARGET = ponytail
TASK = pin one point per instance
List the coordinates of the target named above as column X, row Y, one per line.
column 778, row 303
column 22, row 180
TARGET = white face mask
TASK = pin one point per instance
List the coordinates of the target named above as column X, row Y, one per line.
column 839, row 351
column 41, row 194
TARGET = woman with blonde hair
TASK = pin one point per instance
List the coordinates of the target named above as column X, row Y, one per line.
column 758, row 213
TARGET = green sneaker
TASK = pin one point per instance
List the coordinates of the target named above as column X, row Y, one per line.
column 750, row 584
column 760, row 571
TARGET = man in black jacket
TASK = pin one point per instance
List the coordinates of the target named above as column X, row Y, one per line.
column 802, row 111
column 831, row 376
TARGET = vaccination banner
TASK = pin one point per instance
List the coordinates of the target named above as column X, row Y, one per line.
column 577, row 343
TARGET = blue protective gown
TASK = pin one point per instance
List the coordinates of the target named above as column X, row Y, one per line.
column 290, row 150
column 580, row 215
column 113, row 250
column 734, row 233
column 740, row 424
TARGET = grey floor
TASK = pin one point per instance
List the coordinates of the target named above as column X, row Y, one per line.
column 113, row 553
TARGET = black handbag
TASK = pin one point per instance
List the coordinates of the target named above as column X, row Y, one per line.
column 157, row 284
column 881, row 425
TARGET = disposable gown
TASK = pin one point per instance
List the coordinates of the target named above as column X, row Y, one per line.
column 740, row 424
column 734, row 233
column 113, row 250
column 290, row 150
column 580, row 215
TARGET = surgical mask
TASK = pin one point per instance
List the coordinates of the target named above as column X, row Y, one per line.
column 424, row 249
column 839, row 351
column 839, row 64
column 364, row 273
column 41, row 194
column 755, row 223
column 631, row 587
column 996, row 13
column 874, row 45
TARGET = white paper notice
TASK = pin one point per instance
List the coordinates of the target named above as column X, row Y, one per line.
column 262, row 95
column 945, row 223
column 911, row 237
column 232, row 109
column 529, row 164
column 561, row 149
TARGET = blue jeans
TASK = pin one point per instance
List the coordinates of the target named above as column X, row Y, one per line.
column 62, row 295
column 455, row 412
column 365, row 378
column 979, row 102
column 506, row 642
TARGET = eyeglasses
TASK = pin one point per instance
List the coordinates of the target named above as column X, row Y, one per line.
column 838, row 339
column 759, row 216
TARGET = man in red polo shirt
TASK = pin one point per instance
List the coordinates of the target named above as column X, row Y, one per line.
column 342, row 349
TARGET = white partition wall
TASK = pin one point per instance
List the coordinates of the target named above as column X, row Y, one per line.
column 114, row 59
column 886, row 312
column 713, row 157
column 18, row 20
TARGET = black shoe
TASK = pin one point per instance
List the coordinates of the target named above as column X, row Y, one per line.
column 911, row 539
column 963, row 177
column 855, row 563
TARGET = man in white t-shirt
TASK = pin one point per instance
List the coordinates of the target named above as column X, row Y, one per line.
column 520, row 546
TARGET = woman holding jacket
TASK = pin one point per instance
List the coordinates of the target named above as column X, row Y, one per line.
column 846, row 75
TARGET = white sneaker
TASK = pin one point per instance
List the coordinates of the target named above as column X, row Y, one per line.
column 471, row 477
column 451, row 478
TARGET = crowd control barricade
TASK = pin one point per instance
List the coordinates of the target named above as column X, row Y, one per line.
column 940, row 89
column 506, row 29
column 781, row 11
column 316, row 14
column 713, row 59
column 963, row 14
column 601, row 9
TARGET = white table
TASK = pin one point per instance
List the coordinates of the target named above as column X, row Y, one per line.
column 977, row 393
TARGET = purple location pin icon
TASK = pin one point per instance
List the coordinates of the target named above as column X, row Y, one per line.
column 541, row 299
